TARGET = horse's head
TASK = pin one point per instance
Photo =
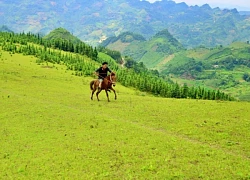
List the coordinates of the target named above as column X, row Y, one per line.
column 112, row 78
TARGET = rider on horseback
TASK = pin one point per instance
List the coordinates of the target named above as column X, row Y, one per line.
column 102, row 72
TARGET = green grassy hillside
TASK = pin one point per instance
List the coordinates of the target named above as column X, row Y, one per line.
column 61, row 33
column 150, row 52
column 219, row 67
column 50, row 129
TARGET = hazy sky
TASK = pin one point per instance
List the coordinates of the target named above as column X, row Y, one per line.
column 241, row 5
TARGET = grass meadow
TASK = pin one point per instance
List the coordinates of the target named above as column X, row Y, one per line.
column 50, row 129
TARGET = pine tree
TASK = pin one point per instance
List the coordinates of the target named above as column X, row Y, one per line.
column 185, row 91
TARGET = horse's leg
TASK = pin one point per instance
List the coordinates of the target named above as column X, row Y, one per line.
column 107, row 94
column 93, row 91
column 98, row 94
column 114, row 92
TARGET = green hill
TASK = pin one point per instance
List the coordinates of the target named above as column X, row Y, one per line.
column 50, row 129
column 220, row 67
column 122, row 41
column 61, row 33
column 150, row 52
column 125, row 37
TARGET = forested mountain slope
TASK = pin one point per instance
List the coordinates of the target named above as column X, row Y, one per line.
column 93, row 21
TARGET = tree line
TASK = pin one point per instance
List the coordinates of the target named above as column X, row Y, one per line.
column 60, row 44
column 84, row 62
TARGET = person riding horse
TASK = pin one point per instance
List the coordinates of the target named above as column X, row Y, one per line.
column 104, row 81
column 102, row 73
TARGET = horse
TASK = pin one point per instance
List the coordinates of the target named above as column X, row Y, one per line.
column 106, row 85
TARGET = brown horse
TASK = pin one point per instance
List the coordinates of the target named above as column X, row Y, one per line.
column 106, row 85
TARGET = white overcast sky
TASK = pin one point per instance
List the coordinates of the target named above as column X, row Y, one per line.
column 241, row 5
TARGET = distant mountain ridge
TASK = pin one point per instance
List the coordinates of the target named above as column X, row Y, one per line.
column 5, row 29
column 244, row 13
column 93, row 21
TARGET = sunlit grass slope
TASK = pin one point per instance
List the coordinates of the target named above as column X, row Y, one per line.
column 50, row 129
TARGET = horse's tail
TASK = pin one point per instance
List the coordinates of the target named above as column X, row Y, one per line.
column 91, row 84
